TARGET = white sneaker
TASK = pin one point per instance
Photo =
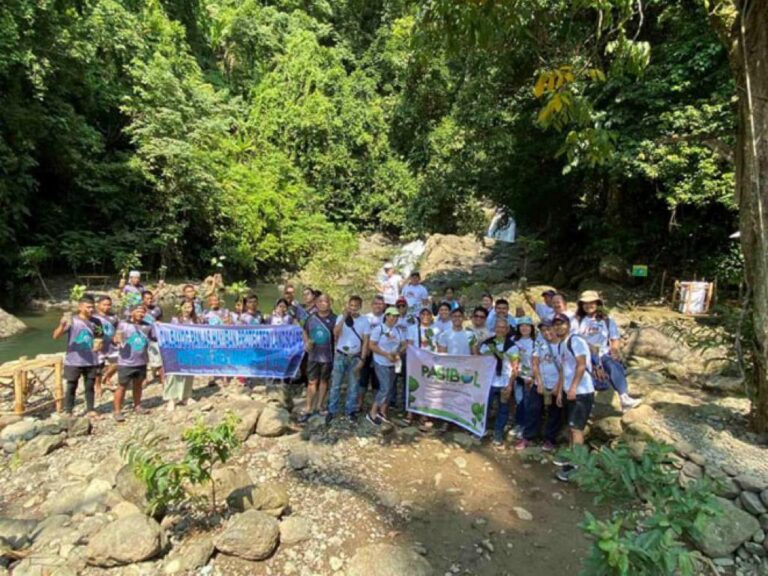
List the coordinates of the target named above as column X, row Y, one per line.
column 627, row 403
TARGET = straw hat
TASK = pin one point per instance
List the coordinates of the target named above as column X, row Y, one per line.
column 590, row 296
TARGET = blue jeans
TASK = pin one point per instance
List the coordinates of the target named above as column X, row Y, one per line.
column 343, row 365
column 614, row 370
column 386, row 377
column 502, row 415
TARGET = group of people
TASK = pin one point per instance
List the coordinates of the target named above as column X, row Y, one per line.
column 547, row 369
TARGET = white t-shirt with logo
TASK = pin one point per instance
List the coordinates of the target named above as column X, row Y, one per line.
column 549, row 362
column 424, row 337
column 443, row 325
column 568, row 361
column 543, row 311
column 389, row 340
column 415, row 295
column 458, row 342
column 374, row 320
column 525, row 349
column 598, row 333
column 391, row 290
column 350, row 343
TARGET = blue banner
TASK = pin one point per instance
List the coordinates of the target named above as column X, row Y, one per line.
column 251, row 352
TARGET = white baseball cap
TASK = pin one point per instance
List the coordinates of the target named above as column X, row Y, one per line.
column 134, row 274
column 388, row 265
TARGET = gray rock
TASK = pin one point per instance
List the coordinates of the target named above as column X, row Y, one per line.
column 10, row 325
column 8, row 419
column 388, row 560
column 294, row 530
column 408, row 434
column 77, row 427
column 463, row 439
column 193, row 553
column 252, row 535
column 613, row 268
column 127, row 540
column 758, row 536
column 248, row 412
column 692, row 470
column 764, row 521
column 721, row 535
column 764, row 497
column 751, row 482
column 131, row 488
column 728, row 489
column 40, row 446
column 23, row 430
column 650, row 342
column 227, row 481
column 298, row 460
column 755, row 549
column 607, row 428
column 273, row 421
column 697, row 458
column 44, row 564
column 270, row 498
column 17, row 533
column 752, row 503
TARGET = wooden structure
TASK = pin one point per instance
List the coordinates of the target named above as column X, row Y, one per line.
column 19, row 371
column 693, row 297
column 94, row 278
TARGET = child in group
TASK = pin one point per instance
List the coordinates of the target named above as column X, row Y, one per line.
column 132, row 337
column 177, row 389
column 82, row 357
column 386, row 343
column 548, row 378
column 154, row 314
column 108, row 353
column 503, row 348
column 578, row 389
column 524, row 340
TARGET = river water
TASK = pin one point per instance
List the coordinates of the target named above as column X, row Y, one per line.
column 37, row 338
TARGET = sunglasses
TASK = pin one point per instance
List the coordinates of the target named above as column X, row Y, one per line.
column 479, row 316
column 402, row 305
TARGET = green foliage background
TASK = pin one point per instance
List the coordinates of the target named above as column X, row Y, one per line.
column 272, row 130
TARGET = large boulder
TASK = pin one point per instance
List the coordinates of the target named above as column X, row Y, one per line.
column 130, row 487
column 723, row 534
column 10, row 325
column 79, row 498
column 652, row 343
column 607, row 428
column 127, row 540
column 252, row 535
column 388, row 560
column 24, row 430
column 273, row 421
column 270, row 497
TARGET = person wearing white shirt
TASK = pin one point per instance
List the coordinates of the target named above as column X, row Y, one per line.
column 368, row 378
column 351, row 335
column 386, row 344
column 578, row 394
column 547, row 375
column 500, row 310
column 390, row 287
column 457, row 340
column 443, row 320
column 479, row 328
column 544, row 309
column 415, row 293
column 602, row 334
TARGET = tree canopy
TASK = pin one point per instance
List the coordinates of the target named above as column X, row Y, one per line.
column 271, row 131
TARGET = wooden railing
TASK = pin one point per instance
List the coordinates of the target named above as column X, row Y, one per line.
column 19, row 371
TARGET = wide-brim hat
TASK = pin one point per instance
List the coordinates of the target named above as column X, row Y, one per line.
column 590, row 296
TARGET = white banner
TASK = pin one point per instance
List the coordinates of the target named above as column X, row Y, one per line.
column 452, row 388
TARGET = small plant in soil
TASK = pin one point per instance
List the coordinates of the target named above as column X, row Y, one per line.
column 168, row 483
column 653, row 516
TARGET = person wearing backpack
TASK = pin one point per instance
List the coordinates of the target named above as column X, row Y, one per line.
column 602, row 334
column 351, row 335
column 502, row 347
column 319, row 345
column 577, row 393
column 548, row 378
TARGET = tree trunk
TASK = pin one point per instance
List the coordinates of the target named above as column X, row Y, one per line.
column 746, row 34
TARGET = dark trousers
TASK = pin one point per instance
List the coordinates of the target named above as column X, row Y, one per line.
column 72, row 375
column 534, row 415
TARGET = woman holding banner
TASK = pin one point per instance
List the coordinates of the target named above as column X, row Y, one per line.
column 178, row 388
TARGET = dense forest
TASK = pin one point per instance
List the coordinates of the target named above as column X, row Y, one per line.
column 170, row 132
